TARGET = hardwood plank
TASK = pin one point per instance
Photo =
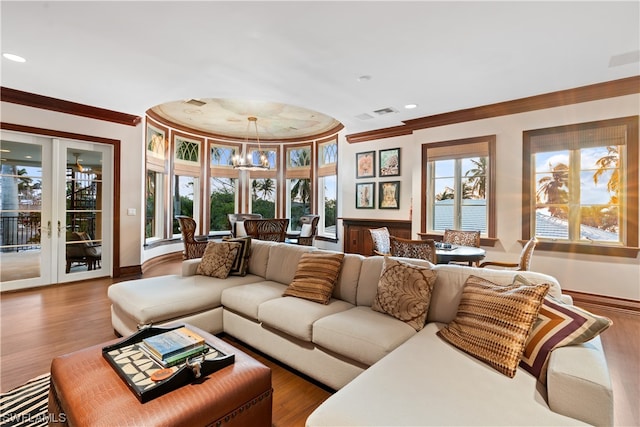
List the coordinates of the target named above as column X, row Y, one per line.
column 39, row 324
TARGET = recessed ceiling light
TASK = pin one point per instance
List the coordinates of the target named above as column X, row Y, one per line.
column 364, row 78
column 411, row 106
column 15, row 58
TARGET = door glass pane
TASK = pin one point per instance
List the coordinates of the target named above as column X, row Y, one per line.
column 83, row 216
column 20, row 210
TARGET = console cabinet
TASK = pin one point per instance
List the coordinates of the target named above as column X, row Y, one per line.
column 357, row 239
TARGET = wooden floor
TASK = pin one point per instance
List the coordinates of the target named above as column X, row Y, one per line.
column 37, row 325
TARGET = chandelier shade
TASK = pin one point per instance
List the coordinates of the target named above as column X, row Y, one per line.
column 243, row 162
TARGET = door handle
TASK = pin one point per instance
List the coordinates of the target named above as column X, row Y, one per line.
column 59, row 228
column 48, row 229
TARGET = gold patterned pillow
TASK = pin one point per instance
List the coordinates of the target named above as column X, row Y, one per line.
column 404, row 292
column 493, row 322
column 316, row 276
column 218, row 259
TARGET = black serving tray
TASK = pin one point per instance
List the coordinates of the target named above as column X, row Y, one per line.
column 135, row 366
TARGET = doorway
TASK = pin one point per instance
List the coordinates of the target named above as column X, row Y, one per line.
column 55, row 201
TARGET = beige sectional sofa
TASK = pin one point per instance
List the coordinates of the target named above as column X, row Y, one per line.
column 385, row 372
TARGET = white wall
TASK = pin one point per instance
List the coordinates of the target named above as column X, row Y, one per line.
column 131, row 161
column 604, row 275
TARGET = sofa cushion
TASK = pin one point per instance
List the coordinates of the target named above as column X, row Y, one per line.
column 218, row 258
column 404, row 292
column 157, row 299
column 283, row 261
column 451, row 280
column 558, row 325
column 494, row 321
column 315, row 276
column 241, row 262
column 361, row 334
column 346, row 286
column 295, row 316
column 259, row 257
column 246, row 299
column 426, row 381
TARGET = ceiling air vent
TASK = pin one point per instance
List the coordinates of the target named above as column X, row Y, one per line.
column 383, row 111
column 196, row 102
column 364, row 116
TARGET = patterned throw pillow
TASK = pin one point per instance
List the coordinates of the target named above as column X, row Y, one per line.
column 241, row 263
column 404, row 292
column 316, row 277
column 494, row 321
column 558, row 325
column 218, row 259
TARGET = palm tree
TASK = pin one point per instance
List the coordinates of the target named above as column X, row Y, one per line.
column 446, row 194
column 266, row 187
column 554, row 189
column 301, row 189
column 477, row 177
column 610, row 161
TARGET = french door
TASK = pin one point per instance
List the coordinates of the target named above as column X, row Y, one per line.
column 55, row 210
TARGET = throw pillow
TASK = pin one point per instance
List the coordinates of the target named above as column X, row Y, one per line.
column 404, row 292
column 241, row 263
column 218, row 259
column 380, row 237
column 558, row 325
column 305, row 230
column 316, row 276
column 494, row 321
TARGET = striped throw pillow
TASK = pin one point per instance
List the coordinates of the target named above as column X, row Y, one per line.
column 494, row 321
column 316, row 277
column 558, row 325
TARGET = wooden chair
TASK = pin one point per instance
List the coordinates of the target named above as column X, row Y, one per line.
column 308, row 230
column 420, row 249
column 525, row 258
column 192, row 248
column 381, row 241
column 274, row 230
column 239, row 217
column 462, row 238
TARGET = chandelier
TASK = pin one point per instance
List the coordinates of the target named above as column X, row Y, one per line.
column 242, row 162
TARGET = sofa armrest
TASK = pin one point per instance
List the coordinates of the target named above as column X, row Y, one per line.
column 579, row 384
column 189, row 266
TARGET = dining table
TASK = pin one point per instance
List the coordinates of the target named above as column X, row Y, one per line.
column 458, row 253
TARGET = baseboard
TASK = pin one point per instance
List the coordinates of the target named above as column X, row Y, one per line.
column 604, row 301
column 132, row 270
column 173, row 256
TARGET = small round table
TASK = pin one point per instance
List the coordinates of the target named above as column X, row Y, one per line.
column 468, row 254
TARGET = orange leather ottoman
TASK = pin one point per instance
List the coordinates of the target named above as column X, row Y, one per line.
column 86, row 391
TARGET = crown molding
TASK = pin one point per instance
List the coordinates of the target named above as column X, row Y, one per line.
column 594, row 92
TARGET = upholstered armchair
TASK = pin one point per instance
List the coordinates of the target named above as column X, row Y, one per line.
column 274, row 230
column 192, row 248
column 420, row 249
column 525, row 259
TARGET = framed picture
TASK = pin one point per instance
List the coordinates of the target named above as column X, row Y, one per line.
column 366, row 164
column 365, row 195
column 389, row 162
column 389, row 195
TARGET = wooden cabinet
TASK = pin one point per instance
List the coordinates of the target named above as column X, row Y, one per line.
column 357, row 239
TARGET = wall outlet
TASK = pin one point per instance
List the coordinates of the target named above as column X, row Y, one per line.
column 131, row 211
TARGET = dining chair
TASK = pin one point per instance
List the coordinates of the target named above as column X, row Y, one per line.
column 308, row 230
column 237, row 230
column 274, row 230
column 462, row 238
column 381, row 240
column 525, row 258
column 192, row 248
column 420, row 249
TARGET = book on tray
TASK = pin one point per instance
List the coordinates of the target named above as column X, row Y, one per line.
column 177, row 358
column 175, row 343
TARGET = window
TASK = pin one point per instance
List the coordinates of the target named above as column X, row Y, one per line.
column 184, row 202
column 581, row 183
column 154, row 204
column 298, row 184
column 457, row 186
column 328, row 188
column 187, row 169
column 263, row 184
column 156, row 175
column 223, row 186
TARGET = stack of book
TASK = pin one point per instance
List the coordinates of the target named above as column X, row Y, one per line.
column 175, row 346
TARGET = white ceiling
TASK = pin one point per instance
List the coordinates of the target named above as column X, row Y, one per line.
column 443, row 56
